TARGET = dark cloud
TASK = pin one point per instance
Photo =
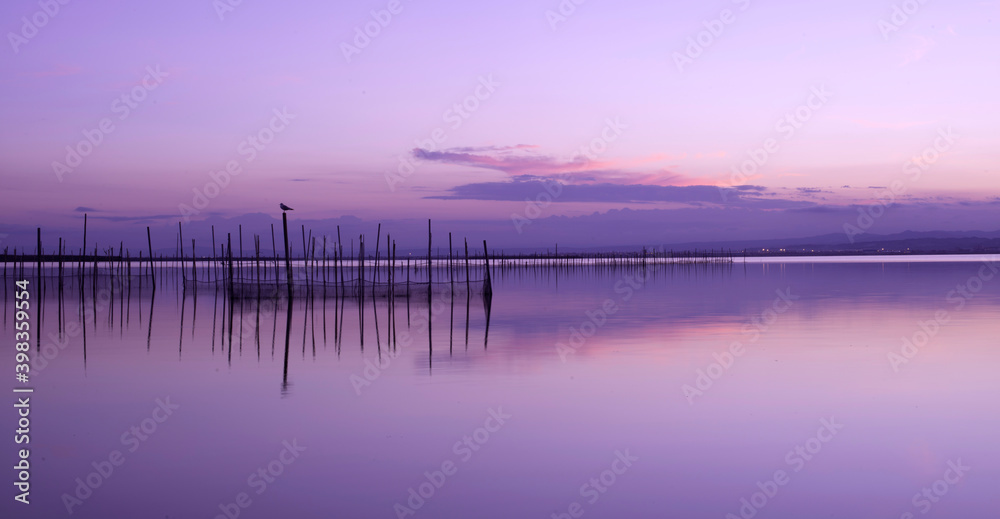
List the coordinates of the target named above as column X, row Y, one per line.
column 521, row 189
column 514, row 164
column 147, row 218
column 821, row 209
column 84, row 209
column 486, row 149
column 521, row 160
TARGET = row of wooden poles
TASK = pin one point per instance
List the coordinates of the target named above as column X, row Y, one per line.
column 232, row 268
column 611, row 260
column 119, row 264
column 317, row 268
column 227, row 268
column 117, row 292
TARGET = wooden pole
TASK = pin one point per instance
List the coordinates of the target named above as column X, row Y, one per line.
column 311, row 264
column 84, row 249
column 38, row 273
column 428, row 251
column 304, row 249
column 240, row 258
column 180, row 240
column 229, row 254
column 378, row 241
column 256, row 247
column 337, row 266
column 430, row 291
column 488, row 283
column 152, row 271
column 274, row 252
column 60, row 263
column 288, row 263
column 194, row 273
column 215, row 259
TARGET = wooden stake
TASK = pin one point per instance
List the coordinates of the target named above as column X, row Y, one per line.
column 152, row 272
column 288, row 263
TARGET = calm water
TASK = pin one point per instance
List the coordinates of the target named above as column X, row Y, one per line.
column 598, row 394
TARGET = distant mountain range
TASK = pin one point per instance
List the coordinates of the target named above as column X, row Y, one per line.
column 615, row 230
column 909, row 242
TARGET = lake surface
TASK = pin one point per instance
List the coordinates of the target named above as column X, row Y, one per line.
column 774, row 389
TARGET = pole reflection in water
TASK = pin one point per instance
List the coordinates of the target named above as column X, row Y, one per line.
column 244, row 311
column 288, row 339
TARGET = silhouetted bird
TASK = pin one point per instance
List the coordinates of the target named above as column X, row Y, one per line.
column 285, row 207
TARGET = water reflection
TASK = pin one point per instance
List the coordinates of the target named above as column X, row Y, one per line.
column 375, row 419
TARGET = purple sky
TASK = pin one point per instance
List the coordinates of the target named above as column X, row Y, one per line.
column 611, row 106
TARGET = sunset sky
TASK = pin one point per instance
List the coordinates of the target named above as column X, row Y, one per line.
column 617, row 102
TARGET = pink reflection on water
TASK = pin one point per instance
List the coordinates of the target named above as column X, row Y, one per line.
column 825, row 357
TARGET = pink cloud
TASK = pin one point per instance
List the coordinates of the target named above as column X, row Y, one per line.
column 520, row 161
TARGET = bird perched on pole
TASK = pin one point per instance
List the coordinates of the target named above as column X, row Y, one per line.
column 285, row 207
